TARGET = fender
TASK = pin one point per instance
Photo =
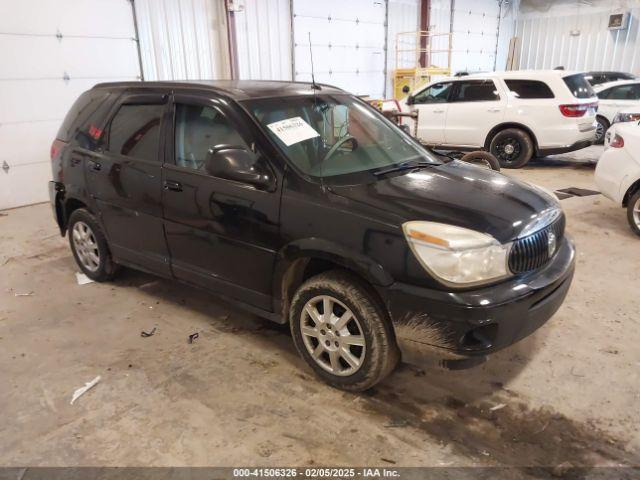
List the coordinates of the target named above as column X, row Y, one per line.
column 298, row 254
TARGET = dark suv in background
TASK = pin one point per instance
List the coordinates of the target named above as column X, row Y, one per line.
column 304, row 205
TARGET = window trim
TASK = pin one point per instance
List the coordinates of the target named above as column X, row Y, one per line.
column 456, row 89
column 160, row 99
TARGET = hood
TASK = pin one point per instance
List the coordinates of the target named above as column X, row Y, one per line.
column 457, row 193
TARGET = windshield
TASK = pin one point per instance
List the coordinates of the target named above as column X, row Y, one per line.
column 332, row 135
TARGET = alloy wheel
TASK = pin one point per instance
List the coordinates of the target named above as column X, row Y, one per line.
column 332, row 335
column 86, row 246
column 508, row 149
column 636, row 213
column 599, row 131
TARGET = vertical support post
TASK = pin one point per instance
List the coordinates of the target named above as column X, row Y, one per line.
column 137, row 39
column 293, row 44
column 425, row 11
column 386, row 46
column 231, row 39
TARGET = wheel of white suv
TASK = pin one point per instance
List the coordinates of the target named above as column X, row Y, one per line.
column 89, row 246
column 602, row 125
column 633, row 212
column 512, row 147
column 342, row 332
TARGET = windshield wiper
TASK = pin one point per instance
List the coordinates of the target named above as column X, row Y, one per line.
column 403, row 166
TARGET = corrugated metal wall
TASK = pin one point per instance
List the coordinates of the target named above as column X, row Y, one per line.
column 182, row 39
column 263, row 35
column 545, row 40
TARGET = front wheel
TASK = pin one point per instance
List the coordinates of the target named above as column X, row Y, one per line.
column 342, row 332
column 512, row 147
column 633, row 213
column 602, row 125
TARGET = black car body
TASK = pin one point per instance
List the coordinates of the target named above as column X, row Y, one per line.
column 255, row 236
column 596, row 78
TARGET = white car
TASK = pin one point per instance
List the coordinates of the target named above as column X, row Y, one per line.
column 515, row 115
column 618, row 170
column 613, row 97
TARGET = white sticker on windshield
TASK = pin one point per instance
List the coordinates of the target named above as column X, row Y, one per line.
column 293, row 130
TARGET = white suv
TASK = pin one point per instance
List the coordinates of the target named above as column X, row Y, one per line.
column 514, row 114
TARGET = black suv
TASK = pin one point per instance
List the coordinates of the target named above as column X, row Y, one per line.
column 306, row 206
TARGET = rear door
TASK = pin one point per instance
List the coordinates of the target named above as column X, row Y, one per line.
column 222, row 234
column 125, row 180
column 431, row 105
column 475, row 107
column 614, row 99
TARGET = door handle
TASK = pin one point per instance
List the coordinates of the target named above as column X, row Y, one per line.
column 493, row 109
column 95, row 166
column 173, row 186
column 438, row 111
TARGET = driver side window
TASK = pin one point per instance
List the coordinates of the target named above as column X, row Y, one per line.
column 198, row 129
column 438, row 93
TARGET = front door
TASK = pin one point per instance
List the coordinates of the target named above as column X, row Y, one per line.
column 475, row 107
column 126, row 182
column 431, row 105
column 222, row 234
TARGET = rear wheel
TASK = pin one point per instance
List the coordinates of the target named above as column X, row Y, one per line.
column 633, row 212
column 89, row 246
column 342, row 332
column 602, row 125
column 512, row 147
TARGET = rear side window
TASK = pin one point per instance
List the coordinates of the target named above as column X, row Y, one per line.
column 135, row 131
column 476, row 91
column 529, row 89
column 84, row 121
column 579, row 86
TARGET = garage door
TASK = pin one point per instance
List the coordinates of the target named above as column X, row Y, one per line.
column 348, row 44
column 50, row 52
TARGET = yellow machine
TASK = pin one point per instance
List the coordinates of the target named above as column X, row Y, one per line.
column 414, row 49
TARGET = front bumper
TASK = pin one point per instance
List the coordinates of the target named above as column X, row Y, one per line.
column 452, row 326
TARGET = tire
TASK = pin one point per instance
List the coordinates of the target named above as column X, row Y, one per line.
column 601, row 128
column 89, row 246
column 370, row 337
column 518, row 145
column 633, row 212
column 482, row 159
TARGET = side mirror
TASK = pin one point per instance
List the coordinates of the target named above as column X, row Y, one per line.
column 233, row 162
column 410, row 100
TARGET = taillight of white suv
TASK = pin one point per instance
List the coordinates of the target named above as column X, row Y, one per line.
column 578, row 109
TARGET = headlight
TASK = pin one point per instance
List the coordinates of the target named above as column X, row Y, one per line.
column 455, row 255
column 626, row 117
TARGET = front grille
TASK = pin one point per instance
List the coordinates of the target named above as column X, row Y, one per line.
column 532, row 252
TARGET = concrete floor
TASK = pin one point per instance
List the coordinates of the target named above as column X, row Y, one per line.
column 240, row 395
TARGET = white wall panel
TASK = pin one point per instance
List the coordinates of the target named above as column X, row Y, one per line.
column 263, row 37
column 475, row 33
column 183, row 39
column 546, row 40
column 348, row 44
column 51, row 52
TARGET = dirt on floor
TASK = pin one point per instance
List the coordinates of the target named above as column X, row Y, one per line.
column 567, row 396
